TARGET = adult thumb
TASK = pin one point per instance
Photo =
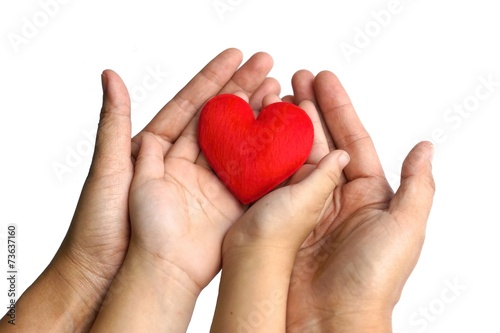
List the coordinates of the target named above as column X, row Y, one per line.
column 413, row 200
column 113, row 142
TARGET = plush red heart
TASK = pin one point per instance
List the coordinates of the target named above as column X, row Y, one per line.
column 253, row 155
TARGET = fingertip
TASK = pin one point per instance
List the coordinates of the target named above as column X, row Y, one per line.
column 343, row 159
column 113, row 145
column 104, row 82
column 116, row 97
column 302, row 74
column 270, row 99
column 149, row 162
column 326, row 79
column 420, row 157
column 309, row 108
column 233, row 51
column 323, row 180
column 109, row 74
column 288, row 99
column 328, row 172
column 241, row 95
column 415, row 194
column 270, row 86
column 325, row 74
column 265, row 56
column 303, row 86
column 335, row 160
column 232, row 54
column 263, row 60
column 429, row 148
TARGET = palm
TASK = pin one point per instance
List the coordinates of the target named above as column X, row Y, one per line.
column 187, row 189
column 105, row 235
column 348, row 255
column 361, row 253
column 182, row 200
column 186, row 205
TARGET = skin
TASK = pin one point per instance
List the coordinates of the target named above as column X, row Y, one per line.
column 346, row 277
column 180, row 212
column 259, row 250
column 68, row 294
column 350, row 271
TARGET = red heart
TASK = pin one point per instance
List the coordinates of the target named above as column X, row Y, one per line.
column 253, row 155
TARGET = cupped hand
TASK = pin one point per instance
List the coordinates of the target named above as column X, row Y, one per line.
column 99, row 233
column 350, row 271
column 180, row 210
column 97, row 240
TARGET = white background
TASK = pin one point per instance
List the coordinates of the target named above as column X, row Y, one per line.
column 428, row 58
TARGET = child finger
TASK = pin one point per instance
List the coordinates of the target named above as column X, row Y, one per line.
column 315, row 190
column 149, row 164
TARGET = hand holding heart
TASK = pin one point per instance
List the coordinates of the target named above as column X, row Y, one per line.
column 314, row 252
column 259, row 250
column 179, row 214
column 350, row 271
column 328, row 249
column 353, row 261
column 182, row 208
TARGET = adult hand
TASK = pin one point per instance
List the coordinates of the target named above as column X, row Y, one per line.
column 350, row 272
column 69, row 293
column 179, row 212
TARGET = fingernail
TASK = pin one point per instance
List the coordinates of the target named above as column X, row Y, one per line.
column 344, row 159
column 431, row 151
column 104, row 81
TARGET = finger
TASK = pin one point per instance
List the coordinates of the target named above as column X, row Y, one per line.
column 320, row 144
column 112, row 148
column 176, row 114
column 149, row 164
column 345, row 127
column 323, row 180
column 186, row 147
column 250, row 76
column 315, row 191
column 303, row 89
column 303, row 86
column 269, row 86
column 241, row 95
column 413, row 200
column 270, row 99
column 288, row 99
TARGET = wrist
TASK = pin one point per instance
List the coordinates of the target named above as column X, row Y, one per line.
column 347, row 321
column 361, row 322
column 146, row 282
column 80, row 290
column 153, row 268
column 253, row 280
column 60, row 300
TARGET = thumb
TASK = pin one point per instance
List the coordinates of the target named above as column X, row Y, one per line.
column 113, row 142
column 316, row 189
column 413, row 199
column 286, row 217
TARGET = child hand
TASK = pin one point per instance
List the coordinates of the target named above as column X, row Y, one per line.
column 179, row 214
column 259, row 251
